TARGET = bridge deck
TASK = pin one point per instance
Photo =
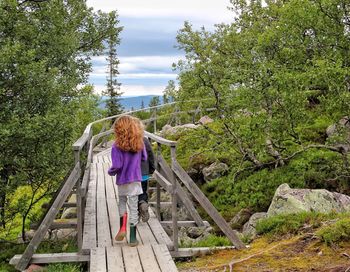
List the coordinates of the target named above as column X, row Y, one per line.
column 101, row 223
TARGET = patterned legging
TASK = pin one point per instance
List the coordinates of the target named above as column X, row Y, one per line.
column 133, row 208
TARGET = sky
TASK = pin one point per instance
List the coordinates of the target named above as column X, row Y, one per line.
column 147, row 50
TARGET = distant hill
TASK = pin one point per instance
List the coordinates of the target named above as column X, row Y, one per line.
column 134, row 102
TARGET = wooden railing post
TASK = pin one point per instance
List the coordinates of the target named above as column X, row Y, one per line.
column 159, row 152
column 174, row 200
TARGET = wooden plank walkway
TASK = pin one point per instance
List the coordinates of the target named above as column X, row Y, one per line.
column 101, row 223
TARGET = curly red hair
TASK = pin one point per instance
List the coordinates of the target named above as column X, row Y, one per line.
column 128, row 133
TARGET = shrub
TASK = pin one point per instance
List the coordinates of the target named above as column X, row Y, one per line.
column 335, row 233
column 291, row 223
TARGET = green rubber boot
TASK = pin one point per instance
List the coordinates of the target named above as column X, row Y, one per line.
column 133, row 240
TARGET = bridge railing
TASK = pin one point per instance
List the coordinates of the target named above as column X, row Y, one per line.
column 173, row 112
column 168, row 176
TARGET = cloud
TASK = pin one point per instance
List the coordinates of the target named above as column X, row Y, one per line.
column 134, row 64
column 134, row 90
column 213, row 11
column 139, row 76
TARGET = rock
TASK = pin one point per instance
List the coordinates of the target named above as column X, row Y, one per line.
column 169, row 130
column 60, row 234
column 35, row 268
column 191, row 235
column 30, row 234
column 182, row 214
column 240, row 218
column 215, row 170
column 287, row 200
column 205, row 120
column 249, row 227
column 340, row 128
column 195, row 232
column 195, row 174
column 69, row 213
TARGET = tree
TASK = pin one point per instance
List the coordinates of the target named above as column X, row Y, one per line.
column 155, row 101
column 272, row 78
column 113, row 87
column 170, row 92
column 142, row 104
column 45, row 51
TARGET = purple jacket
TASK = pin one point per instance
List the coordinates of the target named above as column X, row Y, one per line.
column 126, row 165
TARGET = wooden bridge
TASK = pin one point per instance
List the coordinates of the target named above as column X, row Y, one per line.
column 97, row 211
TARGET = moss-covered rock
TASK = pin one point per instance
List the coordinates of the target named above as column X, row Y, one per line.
column 287, row 201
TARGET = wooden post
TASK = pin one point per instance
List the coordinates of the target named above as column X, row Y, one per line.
column 174, row 201
column 159, row 152
column 76, row 156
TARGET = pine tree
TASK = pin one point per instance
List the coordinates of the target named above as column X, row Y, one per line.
column 113, row 86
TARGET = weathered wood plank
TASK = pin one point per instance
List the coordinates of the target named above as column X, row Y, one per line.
column 165, row 203
column 103, row 230
column 131, row 259
column 174, row 201
column 206, row 204
column 164, row 259
column 183, row 223
column 112, row 206
column 115, row 259
column 89, row 233
column 158, row 231
column 49, row 217
column 148, row 260
column 163, row 181
column 146, row 234
column 60, row 224
column 53, row 258
column 98, row 260
column 160, row 139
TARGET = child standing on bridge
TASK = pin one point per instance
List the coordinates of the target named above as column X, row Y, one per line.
column 127, row 153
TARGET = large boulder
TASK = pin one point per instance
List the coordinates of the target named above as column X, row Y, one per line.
column 215, row 170
column 287, row 200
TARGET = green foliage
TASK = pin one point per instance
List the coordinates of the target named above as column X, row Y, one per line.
column 336, row 232
column 8, row 250
column 45, row 51
column 113, row 86
column 277, row 84
column 64, row 268
column 292, row 223
column 210, row 241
